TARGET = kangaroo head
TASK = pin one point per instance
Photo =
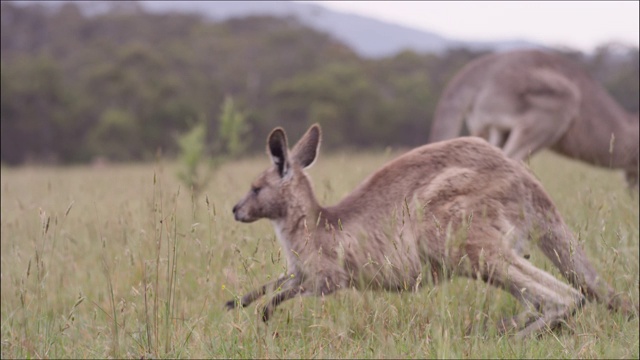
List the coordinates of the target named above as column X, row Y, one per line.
column 283, row 188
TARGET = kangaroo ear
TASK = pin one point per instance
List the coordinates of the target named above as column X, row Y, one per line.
column 277, row 149
column 306, row 150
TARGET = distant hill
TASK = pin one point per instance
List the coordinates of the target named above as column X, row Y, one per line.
column 368, row 37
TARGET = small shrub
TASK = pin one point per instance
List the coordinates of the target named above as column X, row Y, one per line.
column 197, row 166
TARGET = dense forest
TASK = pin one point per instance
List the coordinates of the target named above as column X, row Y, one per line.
column 123, row 84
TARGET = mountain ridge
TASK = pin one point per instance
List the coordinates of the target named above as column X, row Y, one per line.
column 368, row 37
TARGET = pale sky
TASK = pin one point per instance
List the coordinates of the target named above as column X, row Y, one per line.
column 581, row 25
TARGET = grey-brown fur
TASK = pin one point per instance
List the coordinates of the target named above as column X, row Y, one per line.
column 454, row 207
column 524, row 101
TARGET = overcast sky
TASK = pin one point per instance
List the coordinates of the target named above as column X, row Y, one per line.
column 578, row 24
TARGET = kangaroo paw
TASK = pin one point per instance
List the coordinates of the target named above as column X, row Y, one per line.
column 232, row 304
column 508, row 325
column 267, row 311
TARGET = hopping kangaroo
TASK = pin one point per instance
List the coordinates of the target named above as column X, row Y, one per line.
column 524, row 101
column 453, row 207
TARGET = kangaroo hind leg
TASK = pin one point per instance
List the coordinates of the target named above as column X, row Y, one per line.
column 547, row 300
column 561, row 247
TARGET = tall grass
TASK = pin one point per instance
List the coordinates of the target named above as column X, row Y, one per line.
column 123, row 262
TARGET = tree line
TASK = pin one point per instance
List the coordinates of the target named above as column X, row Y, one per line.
column 125, row 84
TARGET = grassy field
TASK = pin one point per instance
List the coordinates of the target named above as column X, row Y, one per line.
column 122, row 262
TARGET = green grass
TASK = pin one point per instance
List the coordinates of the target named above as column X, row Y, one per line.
column 123, row 262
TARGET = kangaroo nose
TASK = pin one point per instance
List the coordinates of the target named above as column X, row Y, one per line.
column 235, row 212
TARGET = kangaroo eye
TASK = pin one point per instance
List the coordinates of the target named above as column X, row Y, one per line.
column 255, row 190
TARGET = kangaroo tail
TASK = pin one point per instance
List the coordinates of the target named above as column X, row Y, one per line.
column 449, row 116
column 457, row 100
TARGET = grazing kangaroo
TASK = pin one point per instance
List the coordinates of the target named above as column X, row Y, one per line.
column 524, row 101
column 453, row 207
